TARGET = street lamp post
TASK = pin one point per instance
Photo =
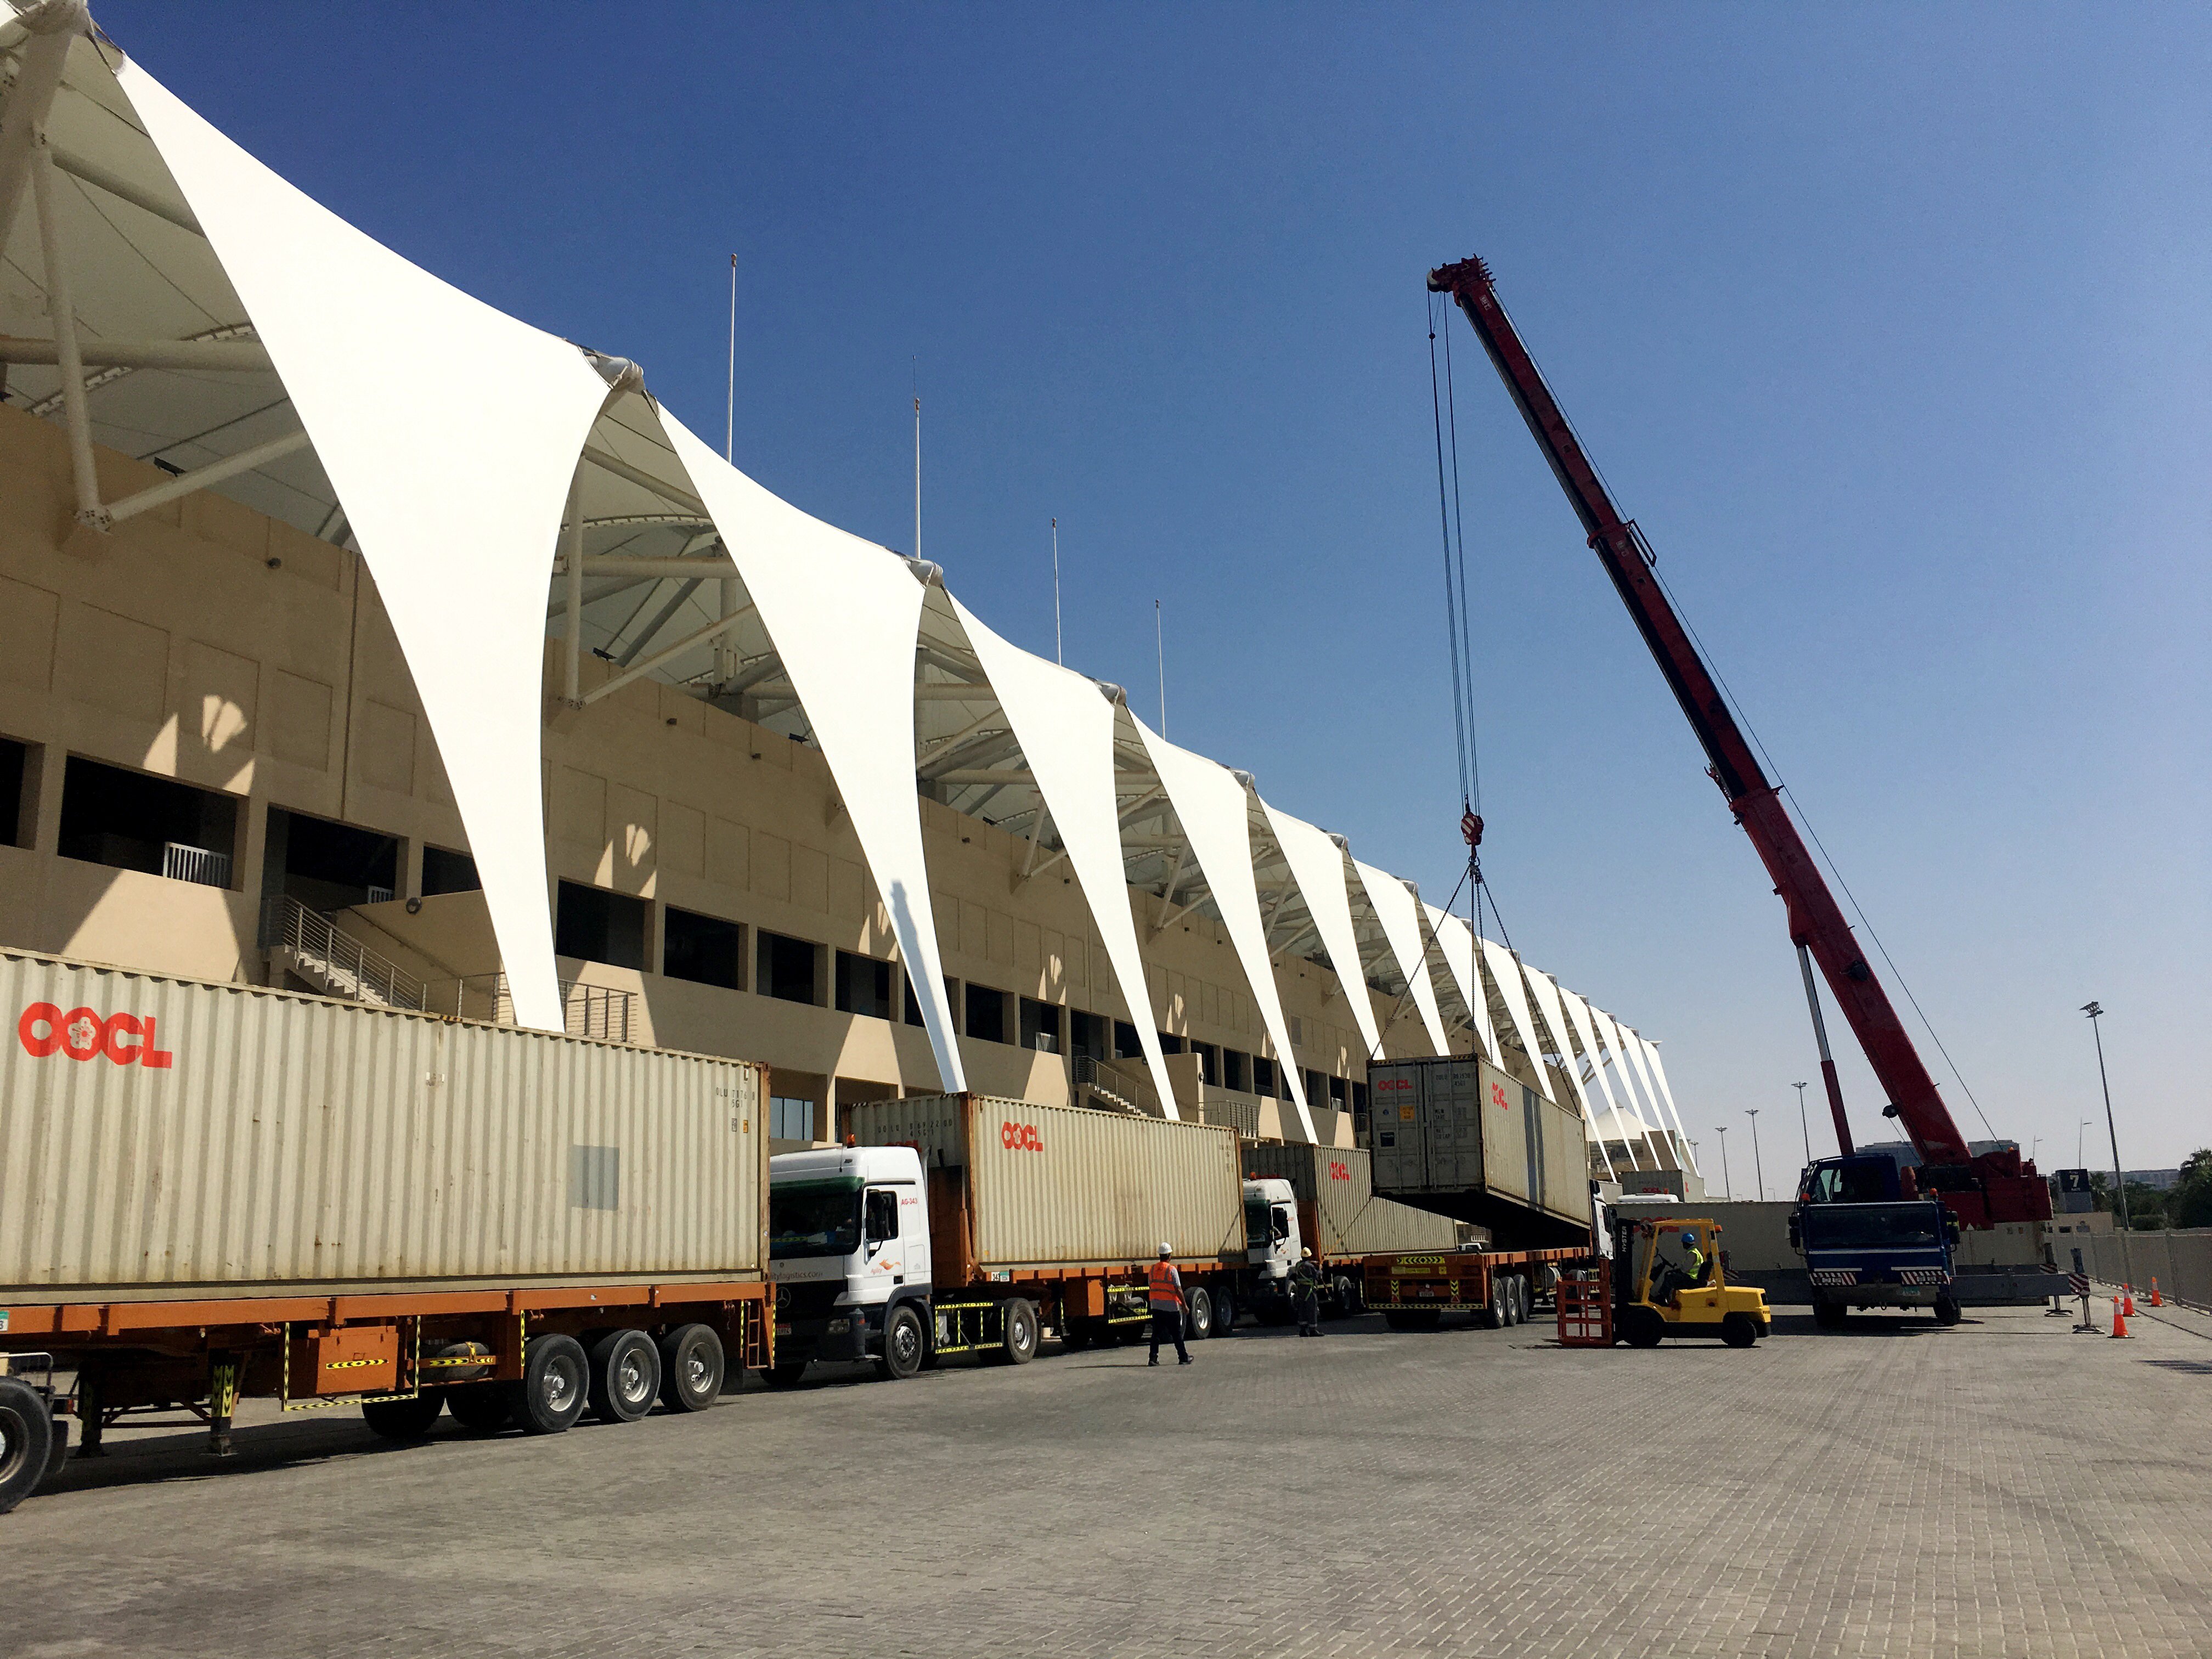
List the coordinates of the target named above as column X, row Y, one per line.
column 2079, row 1132
column 2095, row 1011
column 1728, row 1187
column 1758, row 1168
column 1808, row 1133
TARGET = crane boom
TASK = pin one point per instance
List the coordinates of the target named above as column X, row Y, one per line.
column 1995, row 1186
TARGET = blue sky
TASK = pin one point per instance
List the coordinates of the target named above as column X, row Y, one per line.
column 1888, row 324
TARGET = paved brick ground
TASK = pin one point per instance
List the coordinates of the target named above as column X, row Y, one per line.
column 2003, row 1488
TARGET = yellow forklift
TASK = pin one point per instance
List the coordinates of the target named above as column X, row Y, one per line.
column 1669, row 1280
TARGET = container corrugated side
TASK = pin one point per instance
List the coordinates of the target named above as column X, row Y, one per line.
column 1064, row 1186
column 301, row 1141
column 1337, row 1183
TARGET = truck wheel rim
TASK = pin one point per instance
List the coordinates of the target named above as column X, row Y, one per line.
column 632, row 1379
column 906, row 1341
column 14, row 1443
column 694, row 1372
column 560, row 1388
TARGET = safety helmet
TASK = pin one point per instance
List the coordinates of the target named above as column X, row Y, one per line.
column 1166, row 1250
column 1308, row 1254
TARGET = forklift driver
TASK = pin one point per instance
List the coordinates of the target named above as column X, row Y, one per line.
column 1687, row 1274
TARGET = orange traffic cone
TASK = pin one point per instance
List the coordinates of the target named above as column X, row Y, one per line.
column 2119, row 1319
column 2127, row 1300
column 2156, row 1300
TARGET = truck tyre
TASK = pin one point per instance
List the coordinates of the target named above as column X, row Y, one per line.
column 691, row 1368
column 1829, row 1314
column 554, row 1386
column 1524, row 1299
column 1642, row 1327
column 1946, row 1310
column 625, row 1375
column 1498, row 1315
column 1739, row 1330
column 481, row 1407
column 1017, row 1340
column 903, row 1343
column 1345, row 1292
column 404, row 1419
column 1202, row 1312
column 1225, row 1310
column 26, row 1440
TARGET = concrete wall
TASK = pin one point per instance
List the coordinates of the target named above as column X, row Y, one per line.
column 207, row 643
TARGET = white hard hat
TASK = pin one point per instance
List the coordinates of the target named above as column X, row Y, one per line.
column 1167, row 1250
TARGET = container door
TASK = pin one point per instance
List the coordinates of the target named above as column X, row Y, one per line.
column 1458, row 1161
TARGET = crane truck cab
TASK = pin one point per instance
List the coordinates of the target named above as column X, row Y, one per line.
column 1272, row 1238
column 1870, row 1240
column 848, row 1251
column 1670, row 1280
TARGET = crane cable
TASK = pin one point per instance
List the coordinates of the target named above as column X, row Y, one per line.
column 1451, row 517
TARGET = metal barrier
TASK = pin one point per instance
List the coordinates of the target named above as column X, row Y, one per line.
column 323, row 952
column 589, row 1010
column 195, row 864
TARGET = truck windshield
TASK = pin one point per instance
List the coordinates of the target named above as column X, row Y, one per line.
column 814, row 1218
column 1875, row 1226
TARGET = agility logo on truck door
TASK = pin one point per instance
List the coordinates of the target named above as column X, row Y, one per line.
column 82, row 1034
column 1020, row 1138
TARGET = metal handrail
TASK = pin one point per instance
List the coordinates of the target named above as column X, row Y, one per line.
column 1133, row 1087
column 288, row 925
column 604, row 1012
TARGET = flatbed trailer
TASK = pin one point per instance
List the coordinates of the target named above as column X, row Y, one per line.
column 1414, row 1289
column 211, row 1192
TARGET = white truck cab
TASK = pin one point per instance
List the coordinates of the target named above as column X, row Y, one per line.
column 848, row 1251
column 1272, row 1240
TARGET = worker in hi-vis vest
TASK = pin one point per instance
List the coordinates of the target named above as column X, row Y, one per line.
column 1166, row 1301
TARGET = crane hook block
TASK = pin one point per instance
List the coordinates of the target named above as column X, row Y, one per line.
column 1470, row 827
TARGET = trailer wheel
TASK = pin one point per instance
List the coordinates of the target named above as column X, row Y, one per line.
column 1017, row 1342
column 691, row 1368
column 1642, row 1327
column 1828, row 1315
column 1499, row 1313
column 26, row 1440
column 1345, row 1290
column 1224, row 1311
column 1739, row 1330
column 481, row 1407
column 1946, row 1310
column 625, row 1375
column 1202, row 1312
column 404, row 1419
column 554, row 1386
column 1524, row 1294
column 903, row 1343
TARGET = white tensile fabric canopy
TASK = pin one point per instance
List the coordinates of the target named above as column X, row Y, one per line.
column 1398, row 912
column 1064, row 725
column 1578, row 1015
column 1216, row 815
column 455, row 491
column 1317, row 866
column 845, row 614
column 253, row 308
column 1455, row 943
column 1505, row 974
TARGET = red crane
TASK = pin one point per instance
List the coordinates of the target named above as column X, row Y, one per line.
column 1993, row 1187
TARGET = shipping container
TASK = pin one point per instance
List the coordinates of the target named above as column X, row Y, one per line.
column 209, row 1191
column 1059, row 1185
column 1458, row 1136
column 174, row 1138
column 1340, row 1214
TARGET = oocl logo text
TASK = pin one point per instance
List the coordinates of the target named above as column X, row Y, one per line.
column 82, row 1034
column 1019, row 1138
